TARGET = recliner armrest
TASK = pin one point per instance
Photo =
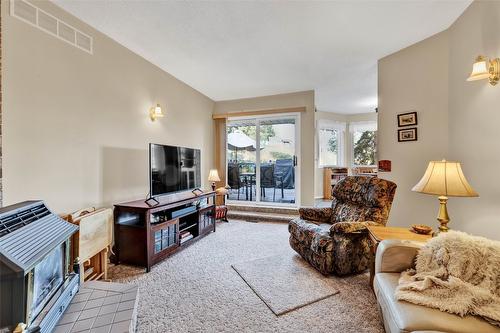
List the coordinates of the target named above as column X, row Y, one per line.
column 316, row 214
column 394, row 256
column 350, row 227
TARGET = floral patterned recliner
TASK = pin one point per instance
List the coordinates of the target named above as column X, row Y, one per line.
column 335, row 240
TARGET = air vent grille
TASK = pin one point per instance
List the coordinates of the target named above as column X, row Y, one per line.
column 38, row 18
column 47, row 22
column 13, row 222
column 83, row 41
column 66, row 32
column 25, row 10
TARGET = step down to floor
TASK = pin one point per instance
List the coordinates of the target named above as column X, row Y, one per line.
column 264, row 209
column 259, row 216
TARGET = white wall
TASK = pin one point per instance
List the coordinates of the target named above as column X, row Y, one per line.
column 415, row 78
column 297, row 99
column 474, row 115
column 322, row 116
column 76, row 127
column 458, row 120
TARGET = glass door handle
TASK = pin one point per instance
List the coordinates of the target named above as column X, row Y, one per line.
column 294, row 160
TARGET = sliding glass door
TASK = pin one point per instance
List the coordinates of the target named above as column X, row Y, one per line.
column 262, row 159
column 277, row 160
column 242, row 159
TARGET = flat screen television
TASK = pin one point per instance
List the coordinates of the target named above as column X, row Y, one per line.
column 173, row 169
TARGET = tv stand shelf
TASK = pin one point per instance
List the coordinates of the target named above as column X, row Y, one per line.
column 188, row 227
column 146, row 235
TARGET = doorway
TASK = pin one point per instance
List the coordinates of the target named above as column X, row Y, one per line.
column 262, row 156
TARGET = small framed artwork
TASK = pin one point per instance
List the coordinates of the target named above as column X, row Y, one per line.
column 407, row 119
column 197, row 191
column 384, row 166
column 407, row 134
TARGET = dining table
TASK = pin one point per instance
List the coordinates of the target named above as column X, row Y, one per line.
column 248, row 179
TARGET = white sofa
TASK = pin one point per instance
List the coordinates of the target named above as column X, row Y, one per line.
column 392, row 258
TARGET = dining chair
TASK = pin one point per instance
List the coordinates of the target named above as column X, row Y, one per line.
column 233, row 177
column 267, row 179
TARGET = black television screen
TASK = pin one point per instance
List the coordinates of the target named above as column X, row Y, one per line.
column 173, row 169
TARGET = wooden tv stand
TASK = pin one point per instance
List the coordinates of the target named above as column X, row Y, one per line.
column 145, row 235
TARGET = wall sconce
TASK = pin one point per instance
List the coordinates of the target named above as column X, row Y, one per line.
column 155, row 112
column 485, row 69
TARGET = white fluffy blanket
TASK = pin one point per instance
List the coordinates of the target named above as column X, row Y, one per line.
column 456, row 273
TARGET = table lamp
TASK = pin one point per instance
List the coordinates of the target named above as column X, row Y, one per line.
column 213, row 176
column 444, row 179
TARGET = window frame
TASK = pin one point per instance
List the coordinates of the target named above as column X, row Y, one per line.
column 341, row 128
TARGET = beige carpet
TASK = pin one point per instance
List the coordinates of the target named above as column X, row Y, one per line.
column 197, row 290
column 285, row 283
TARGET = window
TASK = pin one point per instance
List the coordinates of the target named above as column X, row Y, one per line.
column 364, row 143
column 330, row 144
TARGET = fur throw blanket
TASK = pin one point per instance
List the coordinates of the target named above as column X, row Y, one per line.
column 456, row 273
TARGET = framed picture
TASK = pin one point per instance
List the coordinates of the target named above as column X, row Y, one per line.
column 407, row 134
column 407, row 119
column 197, row 192
column 384, row 166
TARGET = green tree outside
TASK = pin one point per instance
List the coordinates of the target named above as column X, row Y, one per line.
column 332, row 142
column 364, row 148
column 277, row 155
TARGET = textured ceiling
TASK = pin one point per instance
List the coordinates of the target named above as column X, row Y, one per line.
column 230, row 49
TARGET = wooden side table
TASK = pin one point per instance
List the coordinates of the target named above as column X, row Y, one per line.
column 378, row 234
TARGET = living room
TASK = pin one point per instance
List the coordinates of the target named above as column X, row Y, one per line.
column 249, row 166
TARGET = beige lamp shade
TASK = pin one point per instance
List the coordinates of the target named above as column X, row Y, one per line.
column 445, row 178
column 213, row 176
column 479, row 69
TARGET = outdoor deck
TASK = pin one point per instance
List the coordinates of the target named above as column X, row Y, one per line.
column 288, row 195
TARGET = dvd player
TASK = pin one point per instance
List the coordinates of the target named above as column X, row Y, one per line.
column 181, row 212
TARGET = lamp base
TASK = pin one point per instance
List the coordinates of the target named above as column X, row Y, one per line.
column 443, row 217
column 213, row 186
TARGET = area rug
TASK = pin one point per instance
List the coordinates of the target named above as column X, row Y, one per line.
column 285, row 283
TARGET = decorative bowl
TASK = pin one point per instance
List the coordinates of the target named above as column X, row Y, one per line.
column 421, row 229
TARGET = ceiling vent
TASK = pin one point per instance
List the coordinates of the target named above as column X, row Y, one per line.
column 44, row 21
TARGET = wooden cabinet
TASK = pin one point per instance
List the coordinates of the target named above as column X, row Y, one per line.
column 207, row 220
column 165, row 239
column 145, row 235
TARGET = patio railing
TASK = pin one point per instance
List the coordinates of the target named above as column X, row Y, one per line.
column 274, row 176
